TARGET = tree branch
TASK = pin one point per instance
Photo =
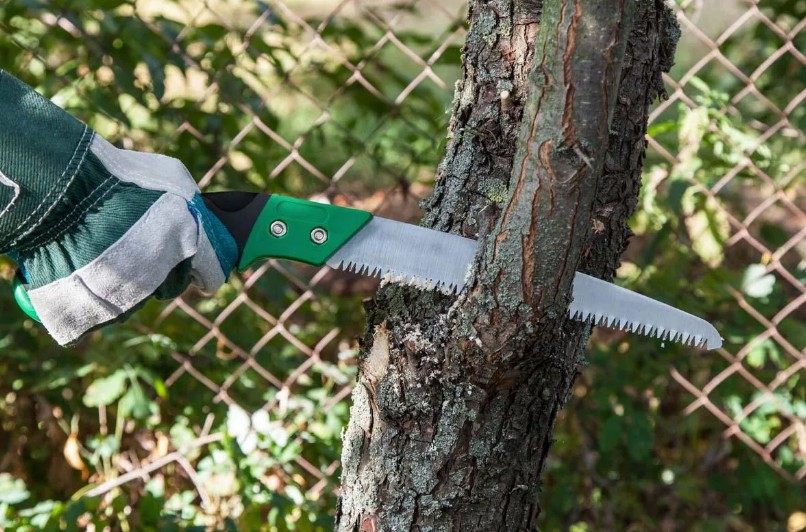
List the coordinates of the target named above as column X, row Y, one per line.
column 531, row 256
column 176, row 456
column 454, row 408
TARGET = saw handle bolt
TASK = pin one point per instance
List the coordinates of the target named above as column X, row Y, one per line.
column 278, row 228
column 319, row 235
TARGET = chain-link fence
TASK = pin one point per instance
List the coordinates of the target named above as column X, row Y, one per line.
column 760, row 96
column 341, row 100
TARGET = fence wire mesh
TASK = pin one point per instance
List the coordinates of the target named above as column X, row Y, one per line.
column 756, row 95
column 375, row 78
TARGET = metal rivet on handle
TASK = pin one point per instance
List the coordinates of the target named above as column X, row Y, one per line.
column 319, row 235
column 278, row 228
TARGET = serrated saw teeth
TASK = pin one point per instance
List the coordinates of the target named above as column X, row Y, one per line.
column 416, row 256
column 395, row 277
column 645, row 329
column 594, row 298
column 407, row 254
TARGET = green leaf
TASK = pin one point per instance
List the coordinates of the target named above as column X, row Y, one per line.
column 238, row 421
column 734, row 405
column 761, row 351
column 160, row 388
column 288, row 453
column 106, row 390
column 156, row 69
column 760, row 428
column 104, row 446
column 150, row 507
column 40, row 514
column 674, row 197
column 708, row 229
column 693, row 127
column 135, row 403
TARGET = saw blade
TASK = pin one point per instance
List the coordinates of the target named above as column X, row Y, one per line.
column 408, row 254
column 601, row 303
column 413, row 255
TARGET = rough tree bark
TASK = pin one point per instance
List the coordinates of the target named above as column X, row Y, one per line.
column 455, row 403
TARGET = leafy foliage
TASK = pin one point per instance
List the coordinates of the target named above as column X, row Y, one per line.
column 247, row 108
column 627, row 452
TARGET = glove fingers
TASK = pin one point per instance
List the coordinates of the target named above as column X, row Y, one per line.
column 207, row 273
column 216, row 250
column 151, row 171
column 124, row 274
column 176, row 282
column 97, row 229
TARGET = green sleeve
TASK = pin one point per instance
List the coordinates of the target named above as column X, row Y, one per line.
column 42, row 148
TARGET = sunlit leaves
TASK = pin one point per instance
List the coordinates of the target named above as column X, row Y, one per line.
column 12, row 490
column 106, row 390
column 756, row 282
column 708, row 230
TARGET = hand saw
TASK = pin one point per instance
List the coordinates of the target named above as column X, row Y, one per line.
column 273, row 226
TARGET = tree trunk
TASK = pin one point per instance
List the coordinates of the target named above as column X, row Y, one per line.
column 454, row 407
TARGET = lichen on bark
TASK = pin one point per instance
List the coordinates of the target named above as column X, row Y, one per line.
column 456, row 399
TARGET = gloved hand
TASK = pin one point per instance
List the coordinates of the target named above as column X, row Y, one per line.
column 97, row 230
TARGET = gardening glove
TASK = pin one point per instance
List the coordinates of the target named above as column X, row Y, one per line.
column 96, row 230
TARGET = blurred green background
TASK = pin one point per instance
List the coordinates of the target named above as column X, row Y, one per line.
column 226, row 412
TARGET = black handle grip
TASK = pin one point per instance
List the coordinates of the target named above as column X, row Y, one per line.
column 238, row 211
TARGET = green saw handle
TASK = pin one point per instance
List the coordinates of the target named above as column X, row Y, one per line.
column 23, row 299
column 268, row 226
column 272, row 226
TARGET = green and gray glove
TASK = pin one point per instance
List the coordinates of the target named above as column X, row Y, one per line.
column 96, row 230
